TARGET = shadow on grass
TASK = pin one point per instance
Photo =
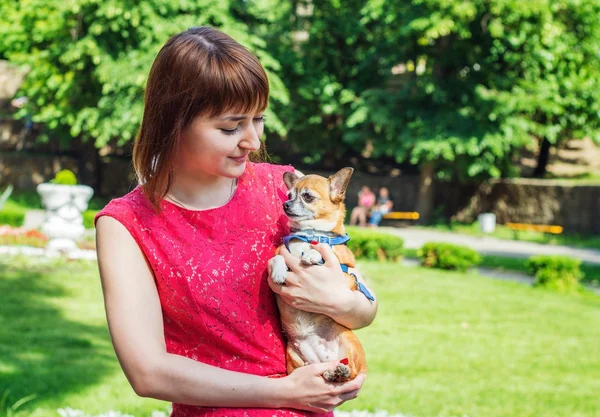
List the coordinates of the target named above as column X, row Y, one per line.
column 43, row 352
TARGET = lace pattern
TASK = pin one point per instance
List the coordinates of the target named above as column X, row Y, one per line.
column 210, row 269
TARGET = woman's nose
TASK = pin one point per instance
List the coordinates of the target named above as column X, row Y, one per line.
column 251, row 139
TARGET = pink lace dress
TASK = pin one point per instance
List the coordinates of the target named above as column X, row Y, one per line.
column 210, row 269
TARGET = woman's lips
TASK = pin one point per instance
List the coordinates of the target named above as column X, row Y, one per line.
column 240, row 160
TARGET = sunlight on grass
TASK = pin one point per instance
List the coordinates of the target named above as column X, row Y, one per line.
column 451, row 344
column 443, row 344
column 63, row 353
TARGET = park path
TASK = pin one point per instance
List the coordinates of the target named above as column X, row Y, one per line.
column 414, row 238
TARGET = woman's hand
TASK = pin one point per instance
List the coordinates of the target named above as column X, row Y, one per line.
column 309, row 390
column 319, row 289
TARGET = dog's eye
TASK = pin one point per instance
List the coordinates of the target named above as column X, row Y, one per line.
column 308, row 198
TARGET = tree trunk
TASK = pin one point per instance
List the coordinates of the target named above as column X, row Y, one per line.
column 543, row 156
column 425, row 203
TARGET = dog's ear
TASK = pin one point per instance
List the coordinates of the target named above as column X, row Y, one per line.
column 338, row 183
column 290, row 179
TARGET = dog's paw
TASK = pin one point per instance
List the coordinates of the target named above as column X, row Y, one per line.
column 312, row 257
column 278, row 269
column 340, row 373
column 279, row 277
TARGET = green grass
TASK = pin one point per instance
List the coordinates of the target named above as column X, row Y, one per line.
column 503, row 232
column 54, row 341
column 455, row 344
column 443, row 344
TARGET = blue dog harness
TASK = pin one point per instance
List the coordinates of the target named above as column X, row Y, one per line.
column 332, row 240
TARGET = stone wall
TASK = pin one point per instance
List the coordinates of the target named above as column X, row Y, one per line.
column 115, row 176
column 575, row 207
column 26, row 163
column 112, row 176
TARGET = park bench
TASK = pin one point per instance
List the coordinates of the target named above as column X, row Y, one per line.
column 401, row 215
column 517, row 227
column 400, row 218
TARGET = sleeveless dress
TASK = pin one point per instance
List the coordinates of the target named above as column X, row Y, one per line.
column 210, row 269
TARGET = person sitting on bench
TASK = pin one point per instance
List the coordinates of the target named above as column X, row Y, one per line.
column 382, row 206
column 366, row 199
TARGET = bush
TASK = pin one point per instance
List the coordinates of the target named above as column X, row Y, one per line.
column 65, row 177
column 556, row 272
column 88, row 218
column 373, row 245
column 448, row 256
column 12, row 217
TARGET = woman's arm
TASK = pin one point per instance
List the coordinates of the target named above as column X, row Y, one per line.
column 323, row 289
column 136, row 326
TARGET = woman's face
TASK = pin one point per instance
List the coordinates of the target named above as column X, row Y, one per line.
column 219, row 146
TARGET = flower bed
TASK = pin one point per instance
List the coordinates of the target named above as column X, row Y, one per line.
column 11, row 236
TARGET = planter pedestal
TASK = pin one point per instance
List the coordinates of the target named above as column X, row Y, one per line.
column 63, row 223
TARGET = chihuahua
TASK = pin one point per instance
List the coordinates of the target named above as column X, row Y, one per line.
column 316, row 212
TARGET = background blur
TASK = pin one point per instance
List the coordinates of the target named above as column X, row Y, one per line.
column 457, row 91
column 458, row 107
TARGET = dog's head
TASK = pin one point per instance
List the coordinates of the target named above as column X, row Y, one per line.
column 316, row 202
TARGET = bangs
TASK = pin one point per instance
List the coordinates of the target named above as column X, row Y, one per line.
column 232, row 83
column 200, row 72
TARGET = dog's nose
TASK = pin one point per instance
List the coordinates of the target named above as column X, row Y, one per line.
column 288, row 204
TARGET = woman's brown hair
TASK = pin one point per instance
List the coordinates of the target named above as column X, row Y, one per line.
column 199, row 72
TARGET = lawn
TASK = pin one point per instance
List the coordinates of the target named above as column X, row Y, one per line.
column 54, row 341
column 443, row 344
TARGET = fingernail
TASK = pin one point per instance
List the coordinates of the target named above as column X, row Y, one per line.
column 344, row 361
column 314, row 242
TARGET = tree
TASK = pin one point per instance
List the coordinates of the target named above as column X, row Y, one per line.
column 482, row 78
column 328, row 57
column 88, row 60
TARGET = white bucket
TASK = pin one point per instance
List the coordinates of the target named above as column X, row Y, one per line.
column 487, row 222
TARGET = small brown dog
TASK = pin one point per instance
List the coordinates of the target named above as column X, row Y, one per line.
column 316, row 212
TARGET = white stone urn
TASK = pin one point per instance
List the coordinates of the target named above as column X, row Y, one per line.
column 64, row 205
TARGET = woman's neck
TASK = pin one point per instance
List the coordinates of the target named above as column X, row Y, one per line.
column 201, row 192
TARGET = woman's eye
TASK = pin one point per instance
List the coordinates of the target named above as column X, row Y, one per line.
column 308, row 198
column 260, row 119
column 230, row 131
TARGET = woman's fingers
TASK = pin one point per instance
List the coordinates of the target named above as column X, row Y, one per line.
column 291, row 261
column 327, row 254
column 349, row 396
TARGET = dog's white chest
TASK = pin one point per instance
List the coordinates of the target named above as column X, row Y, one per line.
column 299, row 247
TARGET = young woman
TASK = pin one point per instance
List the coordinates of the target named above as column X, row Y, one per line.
column 183, row 257
column 366, row 199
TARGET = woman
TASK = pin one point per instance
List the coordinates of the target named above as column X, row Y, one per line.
column 366, row 199
column 183, row 257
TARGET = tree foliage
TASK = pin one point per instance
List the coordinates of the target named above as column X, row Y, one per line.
column 88, row 60
column 460, row 84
